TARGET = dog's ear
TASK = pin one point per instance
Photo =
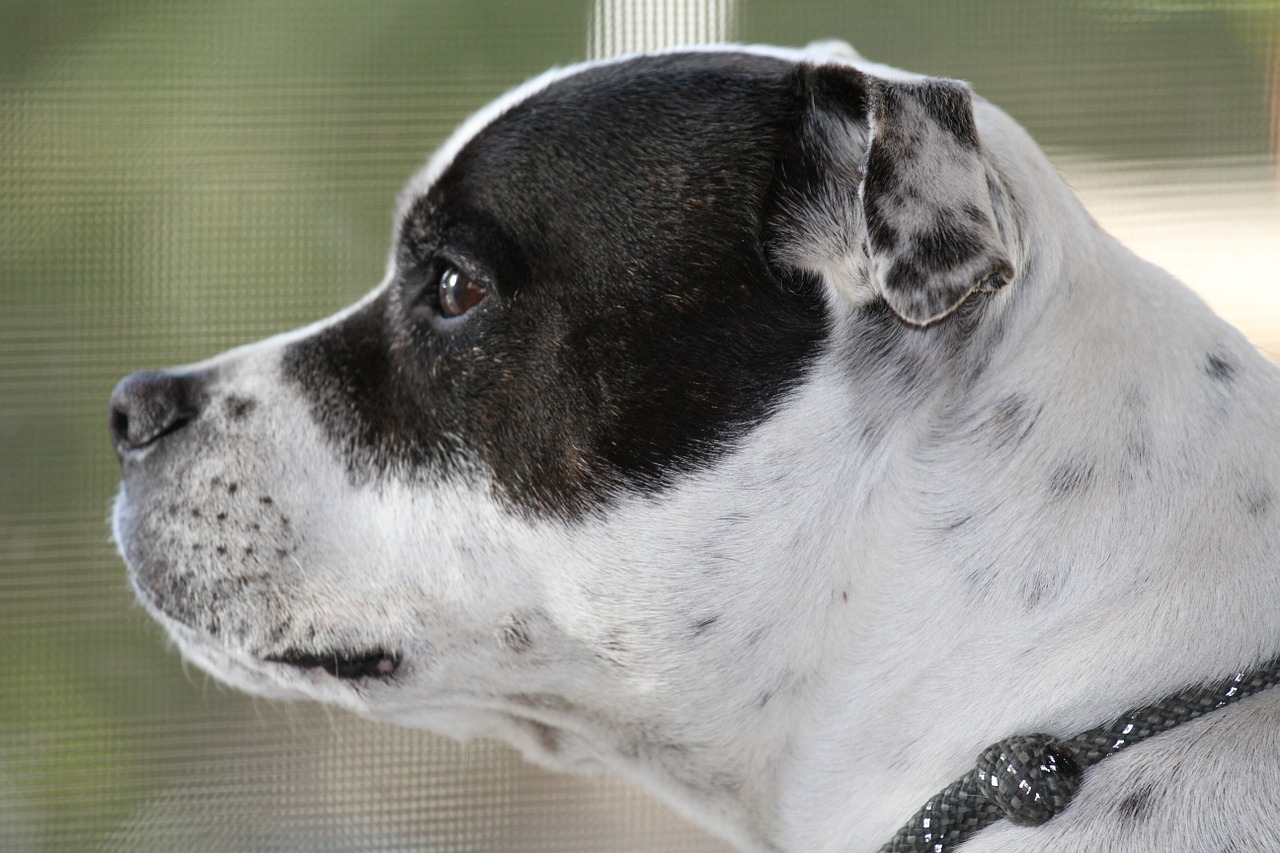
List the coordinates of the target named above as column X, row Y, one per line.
column 894, row 169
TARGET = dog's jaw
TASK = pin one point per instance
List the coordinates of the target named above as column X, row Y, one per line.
column 546, row 674
column 563, row 664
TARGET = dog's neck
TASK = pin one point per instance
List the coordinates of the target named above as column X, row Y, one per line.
column 927, row 640
column 988, row 520
column 1075, row 458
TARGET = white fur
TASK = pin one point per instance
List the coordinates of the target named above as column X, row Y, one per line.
column 865, row 647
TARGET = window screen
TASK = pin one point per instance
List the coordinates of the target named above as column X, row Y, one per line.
column 177, row 178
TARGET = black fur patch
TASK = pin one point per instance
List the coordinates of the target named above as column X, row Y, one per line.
column 1041, row 587
column 634, row 328
column 703, row 625
column 239, row 408
column 1220, row 367
column 806, row 174
column 1010, row 421
column 1135, row 809
column 1258, row 499
column 1070, row 477
column 951, row 108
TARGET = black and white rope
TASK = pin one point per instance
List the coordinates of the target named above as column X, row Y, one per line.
column 1030, row 778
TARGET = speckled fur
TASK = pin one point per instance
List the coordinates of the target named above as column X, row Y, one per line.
column 1026, row 482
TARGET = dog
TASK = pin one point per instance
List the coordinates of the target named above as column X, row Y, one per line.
column 769, row 427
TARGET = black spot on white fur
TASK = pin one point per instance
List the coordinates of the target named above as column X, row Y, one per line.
column 1070, row 477
column 703, row 625
column 635, row 327
column 1220, row 367
column 1259, row 499
column 1010, row 421
column 547, row 738
column 1041, row 587
column 238, row 408
column 516, row 633
column 1135, row 809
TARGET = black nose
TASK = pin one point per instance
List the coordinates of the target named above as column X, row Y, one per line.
column 148, row 405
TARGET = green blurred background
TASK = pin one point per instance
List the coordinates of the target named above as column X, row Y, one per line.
column 176, row 178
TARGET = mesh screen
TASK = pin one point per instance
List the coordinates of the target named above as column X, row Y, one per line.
column 176, row 178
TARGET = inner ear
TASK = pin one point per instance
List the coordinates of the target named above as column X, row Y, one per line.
column 932, row 238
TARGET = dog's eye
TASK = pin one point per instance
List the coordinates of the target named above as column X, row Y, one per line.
column 458, row 292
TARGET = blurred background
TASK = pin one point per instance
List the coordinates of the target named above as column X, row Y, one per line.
column 177, row 178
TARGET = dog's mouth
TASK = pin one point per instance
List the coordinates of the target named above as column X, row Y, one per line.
column 348, row 666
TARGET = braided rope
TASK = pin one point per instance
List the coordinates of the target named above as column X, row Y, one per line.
column 1030, row 778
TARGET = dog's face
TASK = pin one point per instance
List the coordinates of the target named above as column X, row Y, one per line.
column 567, row 475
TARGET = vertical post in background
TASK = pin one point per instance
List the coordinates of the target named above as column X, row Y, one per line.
column 1273, row 98
column 631, row 26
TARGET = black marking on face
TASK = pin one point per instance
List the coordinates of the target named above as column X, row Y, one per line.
column 238, row 408
column 633, row 330
column 1221, row 367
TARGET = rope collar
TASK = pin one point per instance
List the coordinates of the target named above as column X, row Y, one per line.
column 1028, row 779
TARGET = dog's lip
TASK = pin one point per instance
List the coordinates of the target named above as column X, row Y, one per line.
column 344, row 665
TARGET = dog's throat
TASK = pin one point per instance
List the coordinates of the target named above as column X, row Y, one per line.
column 1027, row 779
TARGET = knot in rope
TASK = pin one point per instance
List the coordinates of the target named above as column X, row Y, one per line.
column 1028, row 777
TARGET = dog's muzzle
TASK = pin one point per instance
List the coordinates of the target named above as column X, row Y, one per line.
column 211, row 551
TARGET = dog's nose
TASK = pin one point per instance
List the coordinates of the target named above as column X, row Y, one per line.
column 148, row 405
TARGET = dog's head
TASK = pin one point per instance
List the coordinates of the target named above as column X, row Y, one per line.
column 570, row 474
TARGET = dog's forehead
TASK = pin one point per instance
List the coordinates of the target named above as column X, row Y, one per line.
column 828, row 52
column 666, row 111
